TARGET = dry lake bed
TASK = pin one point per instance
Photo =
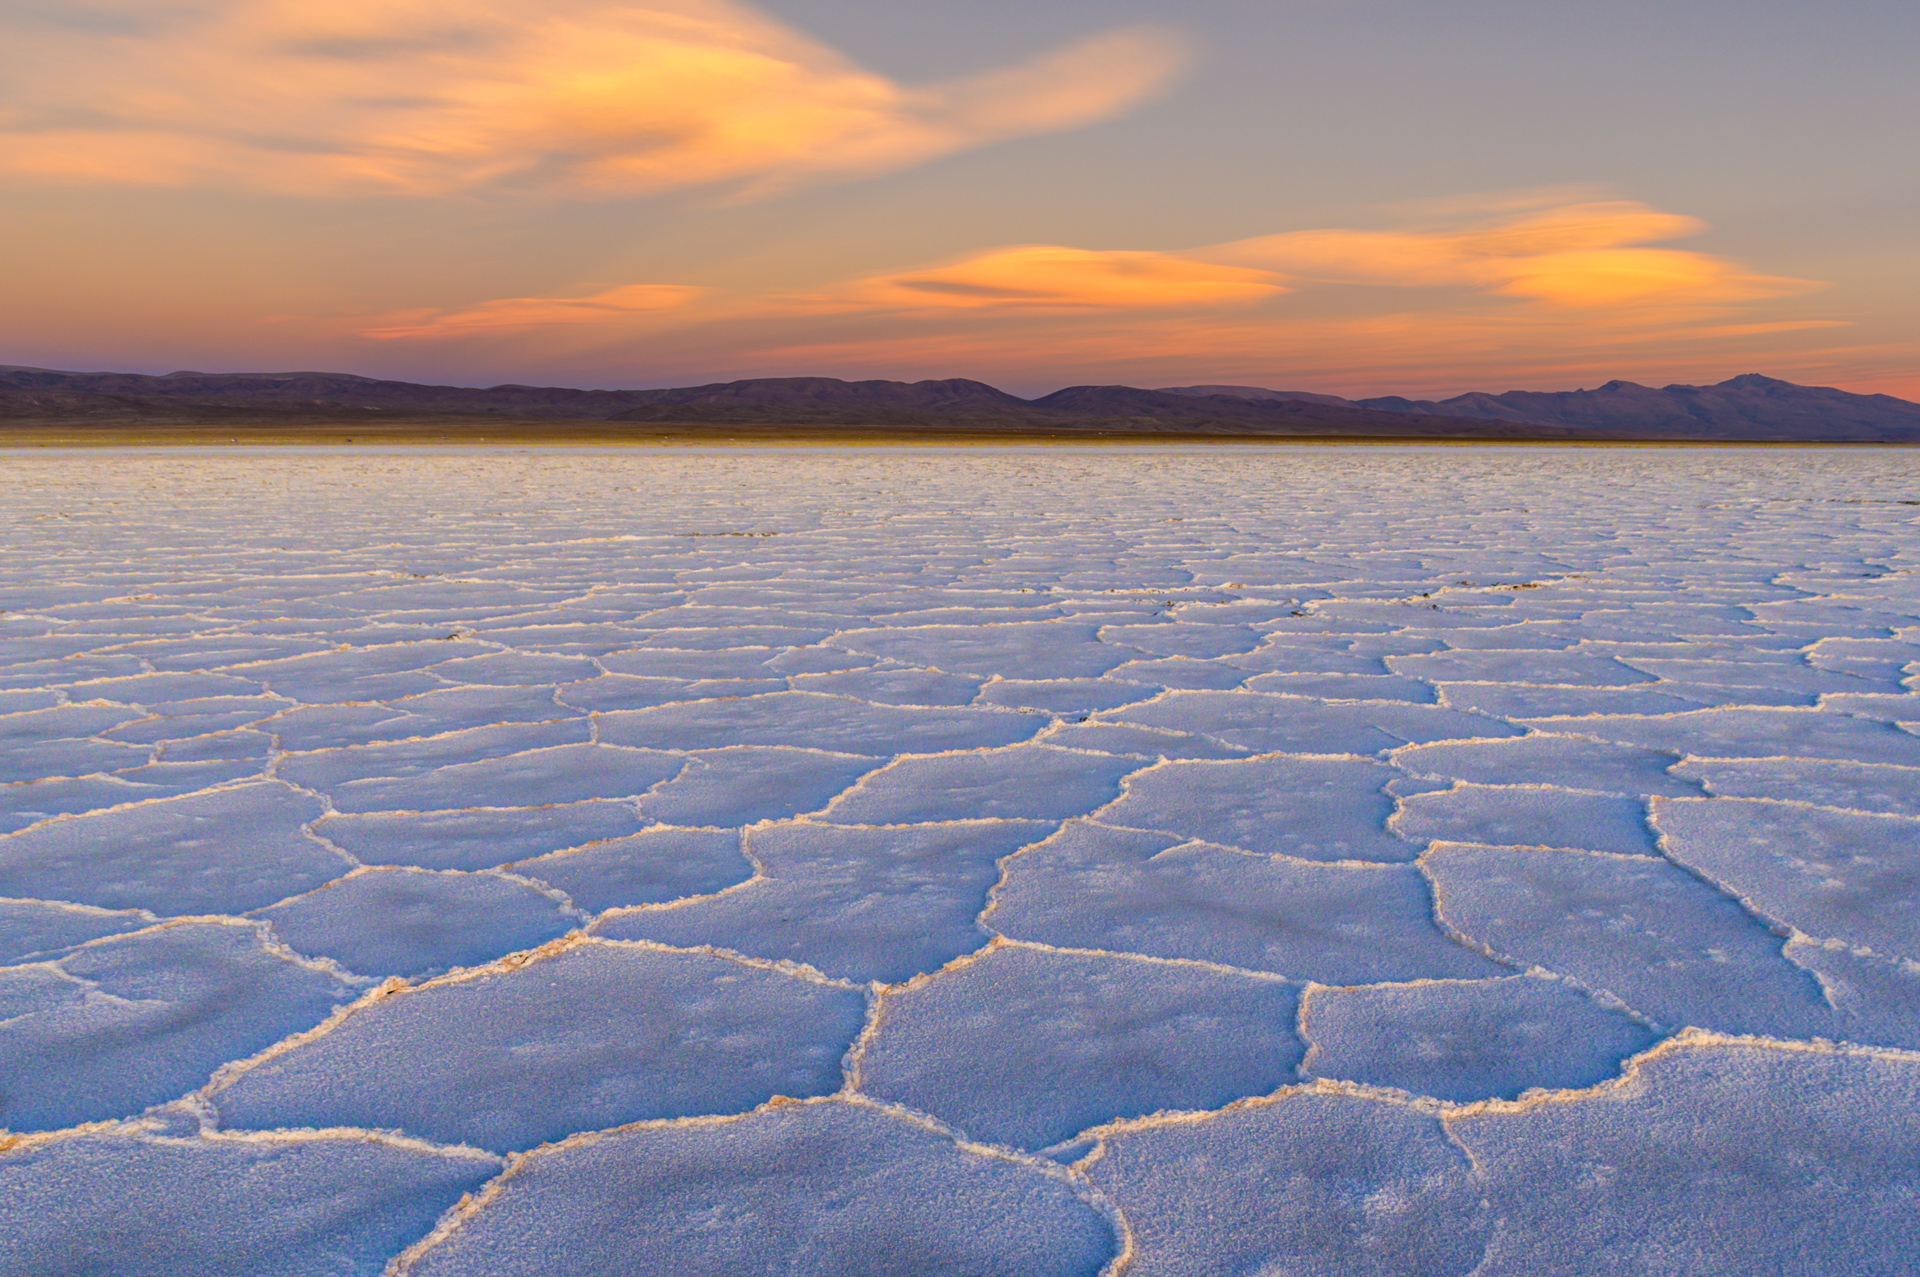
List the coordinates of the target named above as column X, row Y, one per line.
column 1280, row 861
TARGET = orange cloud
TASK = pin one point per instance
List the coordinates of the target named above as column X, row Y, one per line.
column 1590, row 257
column 1540, row 296
column 517, row 314
column 431, row 97
column 1051, row 277
column 1579, row 255
column 1419, row 353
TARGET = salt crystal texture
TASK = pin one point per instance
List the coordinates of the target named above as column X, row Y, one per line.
column 591, row 1037
column 1304, row 862
column 1023, row 1047
column 808, row 1190
column 139, row 1204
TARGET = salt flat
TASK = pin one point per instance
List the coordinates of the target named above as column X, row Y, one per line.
column 990, row 860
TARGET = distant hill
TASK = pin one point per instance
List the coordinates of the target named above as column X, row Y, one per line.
column 44, row 395
column 1750, row 407
column 43, row 392
column 976, row 406
column 1255, row 392
column 1745, row 408
column 1106, row 409
column 830, row 401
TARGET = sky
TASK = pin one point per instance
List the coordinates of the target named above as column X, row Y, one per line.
column 1356, row 197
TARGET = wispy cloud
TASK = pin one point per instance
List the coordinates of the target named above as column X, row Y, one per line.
column 519, row 314
column 1517, row 292
column 1405, row 352
column 1049, row 277
column 1589, row 255
column 1591, row 258
column 431, row 97
column 1513, row 295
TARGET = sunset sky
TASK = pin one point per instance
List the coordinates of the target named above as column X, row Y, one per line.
column 1350, row 196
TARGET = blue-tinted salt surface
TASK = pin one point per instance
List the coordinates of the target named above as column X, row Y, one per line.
column 1065, row 861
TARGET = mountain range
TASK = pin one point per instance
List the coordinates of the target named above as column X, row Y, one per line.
column 1746, row 408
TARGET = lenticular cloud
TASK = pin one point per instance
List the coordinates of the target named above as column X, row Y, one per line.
column 575, row 97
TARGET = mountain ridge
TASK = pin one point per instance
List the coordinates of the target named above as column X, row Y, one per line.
column 1747, row 408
